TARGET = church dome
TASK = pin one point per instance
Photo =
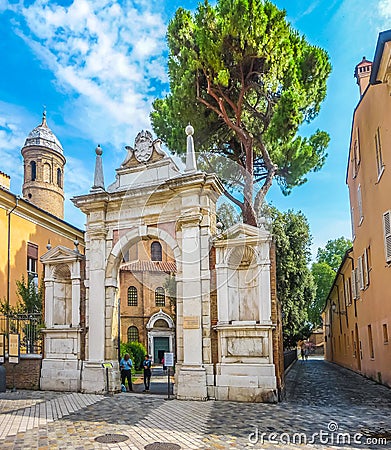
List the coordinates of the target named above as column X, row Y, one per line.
column 43, row 136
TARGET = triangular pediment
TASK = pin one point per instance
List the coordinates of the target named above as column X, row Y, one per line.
column 60, row 254
column 243, row 231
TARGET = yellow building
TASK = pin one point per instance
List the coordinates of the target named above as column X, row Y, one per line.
column 358, row 310
column 34, row 222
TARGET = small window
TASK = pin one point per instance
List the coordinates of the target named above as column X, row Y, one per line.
column 59, row 178
column 33, row 168
column 160, row 297
column 370, row 342
column 156, row 251
column 385, row 333
column 361, row 272
column 132, row 296
column 132, row 334
column 32, row 259
column 352, row 222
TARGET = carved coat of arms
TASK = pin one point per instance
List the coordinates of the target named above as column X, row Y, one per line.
column 144, row 146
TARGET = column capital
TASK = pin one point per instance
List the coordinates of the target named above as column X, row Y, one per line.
column 187, row 220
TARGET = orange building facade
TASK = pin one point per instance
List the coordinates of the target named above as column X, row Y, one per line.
column 147, row 305
column 358, row 309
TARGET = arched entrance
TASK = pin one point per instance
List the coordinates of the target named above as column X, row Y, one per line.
column 161, row 336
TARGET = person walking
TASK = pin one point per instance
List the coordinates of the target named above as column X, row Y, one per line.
column 147, row 373
column 126, row 365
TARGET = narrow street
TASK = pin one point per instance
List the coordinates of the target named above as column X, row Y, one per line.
column 321, row 398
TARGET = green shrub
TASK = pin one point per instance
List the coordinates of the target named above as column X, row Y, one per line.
column 136, row 351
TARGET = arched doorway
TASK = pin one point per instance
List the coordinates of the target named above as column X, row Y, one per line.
column 161, row 336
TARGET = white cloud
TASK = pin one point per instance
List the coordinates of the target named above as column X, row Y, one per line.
column 385, row 8
column 12, row 136
column 108, row 54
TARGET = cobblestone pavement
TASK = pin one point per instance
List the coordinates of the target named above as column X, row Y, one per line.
column 321, row 398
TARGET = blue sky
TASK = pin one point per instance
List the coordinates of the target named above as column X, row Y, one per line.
column 98, row 65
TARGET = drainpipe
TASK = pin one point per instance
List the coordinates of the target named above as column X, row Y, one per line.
column 9, row 259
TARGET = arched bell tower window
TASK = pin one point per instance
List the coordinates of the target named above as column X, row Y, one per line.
column 47, row 173
column 59, row 178
column 156, row 251
column 33, row 168
column 132, row 334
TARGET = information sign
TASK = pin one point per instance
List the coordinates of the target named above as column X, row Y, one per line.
column 169, row 359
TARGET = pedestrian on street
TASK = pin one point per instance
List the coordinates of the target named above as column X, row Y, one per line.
column 147, row 373
column 302, row 352
column 126, row 365
column 306, row 352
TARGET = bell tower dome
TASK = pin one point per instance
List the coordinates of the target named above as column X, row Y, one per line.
column 44, row 163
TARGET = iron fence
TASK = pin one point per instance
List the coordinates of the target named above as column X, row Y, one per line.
column 29, row 328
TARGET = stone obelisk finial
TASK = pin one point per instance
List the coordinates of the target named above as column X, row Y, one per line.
column 99, row 182
column 191, row 165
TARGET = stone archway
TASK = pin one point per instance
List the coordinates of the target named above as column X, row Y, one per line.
column 150, row 199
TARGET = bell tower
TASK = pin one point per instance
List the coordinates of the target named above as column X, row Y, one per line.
column 44, row 163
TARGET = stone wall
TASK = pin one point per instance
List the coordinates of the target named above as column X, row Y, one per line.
column 26, row 374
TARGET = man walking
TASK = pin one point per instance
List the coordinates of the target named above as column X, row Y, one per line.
column 147, row 373
column 126, row 365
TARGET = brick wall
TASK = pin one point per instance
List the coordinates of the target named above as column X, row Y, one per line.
column 278, row 353
column 26, row 374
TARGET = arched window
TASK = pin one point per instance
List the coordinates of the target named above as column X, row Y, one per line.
column 156, row 251
column 33, row 167
column 47, row 173
column 132, row 296
column 160, row 297
column 132, row 334
column 59, row 178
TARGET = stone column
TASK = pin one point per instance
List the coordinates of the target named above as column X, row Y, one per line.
column 192, row 376
column 75, row 276
column 93, row 375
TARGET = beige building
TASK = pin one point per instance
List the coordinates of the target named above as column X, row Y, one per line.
column 358, row 310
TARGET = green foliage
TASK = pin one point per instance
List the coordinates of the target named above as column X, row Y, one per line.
column 323, row 276
column 137, row 352
column 30, row 297
column 247, row 81
column 333, row 252
column 227, row 215
column 324, row 270
column 295, row 285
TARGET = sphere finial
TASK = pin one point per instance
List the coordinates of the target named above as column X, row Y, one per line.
column 99, row 150
column 189, row 130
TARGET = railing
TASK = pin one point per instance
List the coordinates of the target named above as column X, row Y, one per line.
column 289, row 357
column 29, row 328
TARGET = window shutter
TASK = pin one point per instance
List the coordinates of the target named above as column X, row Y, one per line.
column 387, row 234
column 359, row 203
column 357, row 282
column 352, row 222
column 366, row 268
column 361, row 272
column 347, row 293
column 354, row 292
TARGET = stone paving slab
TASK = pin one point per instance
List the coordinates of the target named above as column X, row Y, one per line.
column 321, row 398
